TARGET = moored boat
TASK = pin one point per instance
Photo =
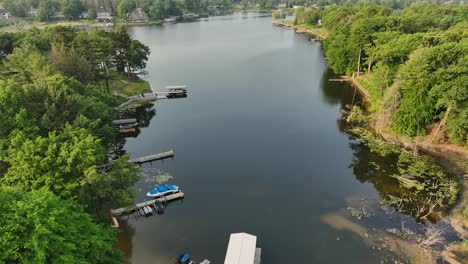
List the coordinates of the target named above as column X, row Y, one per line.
column 162, row 190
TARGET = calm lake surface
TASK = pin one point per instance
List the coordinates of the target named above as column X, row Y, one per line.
column 259, row 146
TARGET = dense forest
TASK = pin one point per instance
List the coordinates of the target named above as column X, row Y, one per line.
column 55, row 127
column 413, row 62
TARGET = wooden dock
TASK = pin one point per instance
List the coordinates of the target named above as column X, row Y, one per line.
column 140, row 160
column 149, row 158
column 128, row 210
column 127, row 130
column 338, row 80
column 172, row 92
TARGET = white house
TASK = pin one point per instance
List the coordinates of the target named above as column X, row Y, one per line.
column 103, row 17
column 280, row 6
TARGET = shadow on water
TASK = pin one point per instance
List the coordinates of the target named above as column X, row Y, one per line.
column 126, row 231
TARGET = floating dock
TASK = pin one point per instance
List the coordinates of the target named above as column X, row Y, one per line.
column 171, row 92
column 143, row 205
column 125, row 123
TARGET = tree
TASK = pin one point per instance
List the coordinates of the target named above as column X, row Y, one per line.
column 125, row 8
column 57, row 162
column 46, row 10
column 72, row 8
column 7, row 43
column 157, row 10
column 70, row 63
column 17, row 8
column 92, row 15
column 102, row 191
column 137, row 56
column 121, row 42
column 26, row 64
column 170, row 8
column 39, row 227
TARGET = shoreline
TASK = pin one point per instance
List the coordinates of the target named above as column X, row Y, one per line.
column 319, row 36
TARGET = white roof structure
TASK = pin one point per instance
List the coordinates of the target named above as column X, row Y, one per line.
column 241, row 249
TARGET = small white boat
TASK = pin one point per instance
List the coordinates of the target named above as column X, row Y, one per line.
column 170, row 20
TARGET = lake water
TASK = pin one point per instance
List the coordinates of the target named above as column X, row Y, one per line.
column 259, row 146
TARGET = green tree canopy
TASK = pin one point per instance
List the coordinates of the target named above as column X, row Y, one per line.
column 39, row 227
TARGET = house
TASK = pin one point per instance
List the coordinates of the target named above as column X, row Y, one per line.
column 4, row 14
column 104, row 17
column 58, row 15
column 84, row 15
column 138, row 15
column 32, row 12
column 280, row 6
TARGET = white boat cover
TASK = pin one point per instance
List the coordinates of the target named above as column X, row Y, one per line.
column 241, row 249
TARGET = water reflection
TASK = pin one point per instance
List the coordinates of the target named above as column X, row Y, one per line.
column 143, row 114
column 126, row 232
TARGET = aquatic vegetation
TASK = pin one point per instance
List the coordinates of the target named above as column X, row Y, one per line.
column 359, row 214
column 420, row 187
column 155, row 176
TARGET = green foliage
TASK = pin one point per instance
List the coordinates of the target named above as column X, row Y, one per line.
column 416, row 62
column 92, row 15
column 357, row 117
column 433, row 79
column 110, row 189
column 56, row 162
column 278, row 15
column 70, row 63
column 39, row 227
column 71, row 8
column 46, row 10
column 55, row 126
column 26, row 64
column 422, row 188
column 125, row 7
column 18, row 8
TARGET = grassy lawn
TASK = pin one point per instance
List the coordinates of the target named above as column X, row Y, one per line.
column 119, row 83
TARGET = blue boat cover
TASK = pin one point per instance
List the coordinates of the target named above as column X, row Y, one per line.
column 185, row 257
column 170, row 187
column 163, row 188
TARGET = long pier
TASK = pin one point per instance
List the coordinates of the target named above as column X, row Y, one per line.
column 128, row 210
column 149, row 158
column 140, row 160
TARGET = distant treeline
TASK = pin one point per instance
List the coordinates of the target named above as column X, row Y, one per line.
column 55, row 127
column 416, row 60
column 73, row 9
column 157, row 9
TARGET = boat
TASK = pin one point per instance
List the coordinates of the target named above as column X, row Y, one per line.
column 184, row 259
column 159, row 207
column 170, row 20
column 162, row 190
column 150, row 210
